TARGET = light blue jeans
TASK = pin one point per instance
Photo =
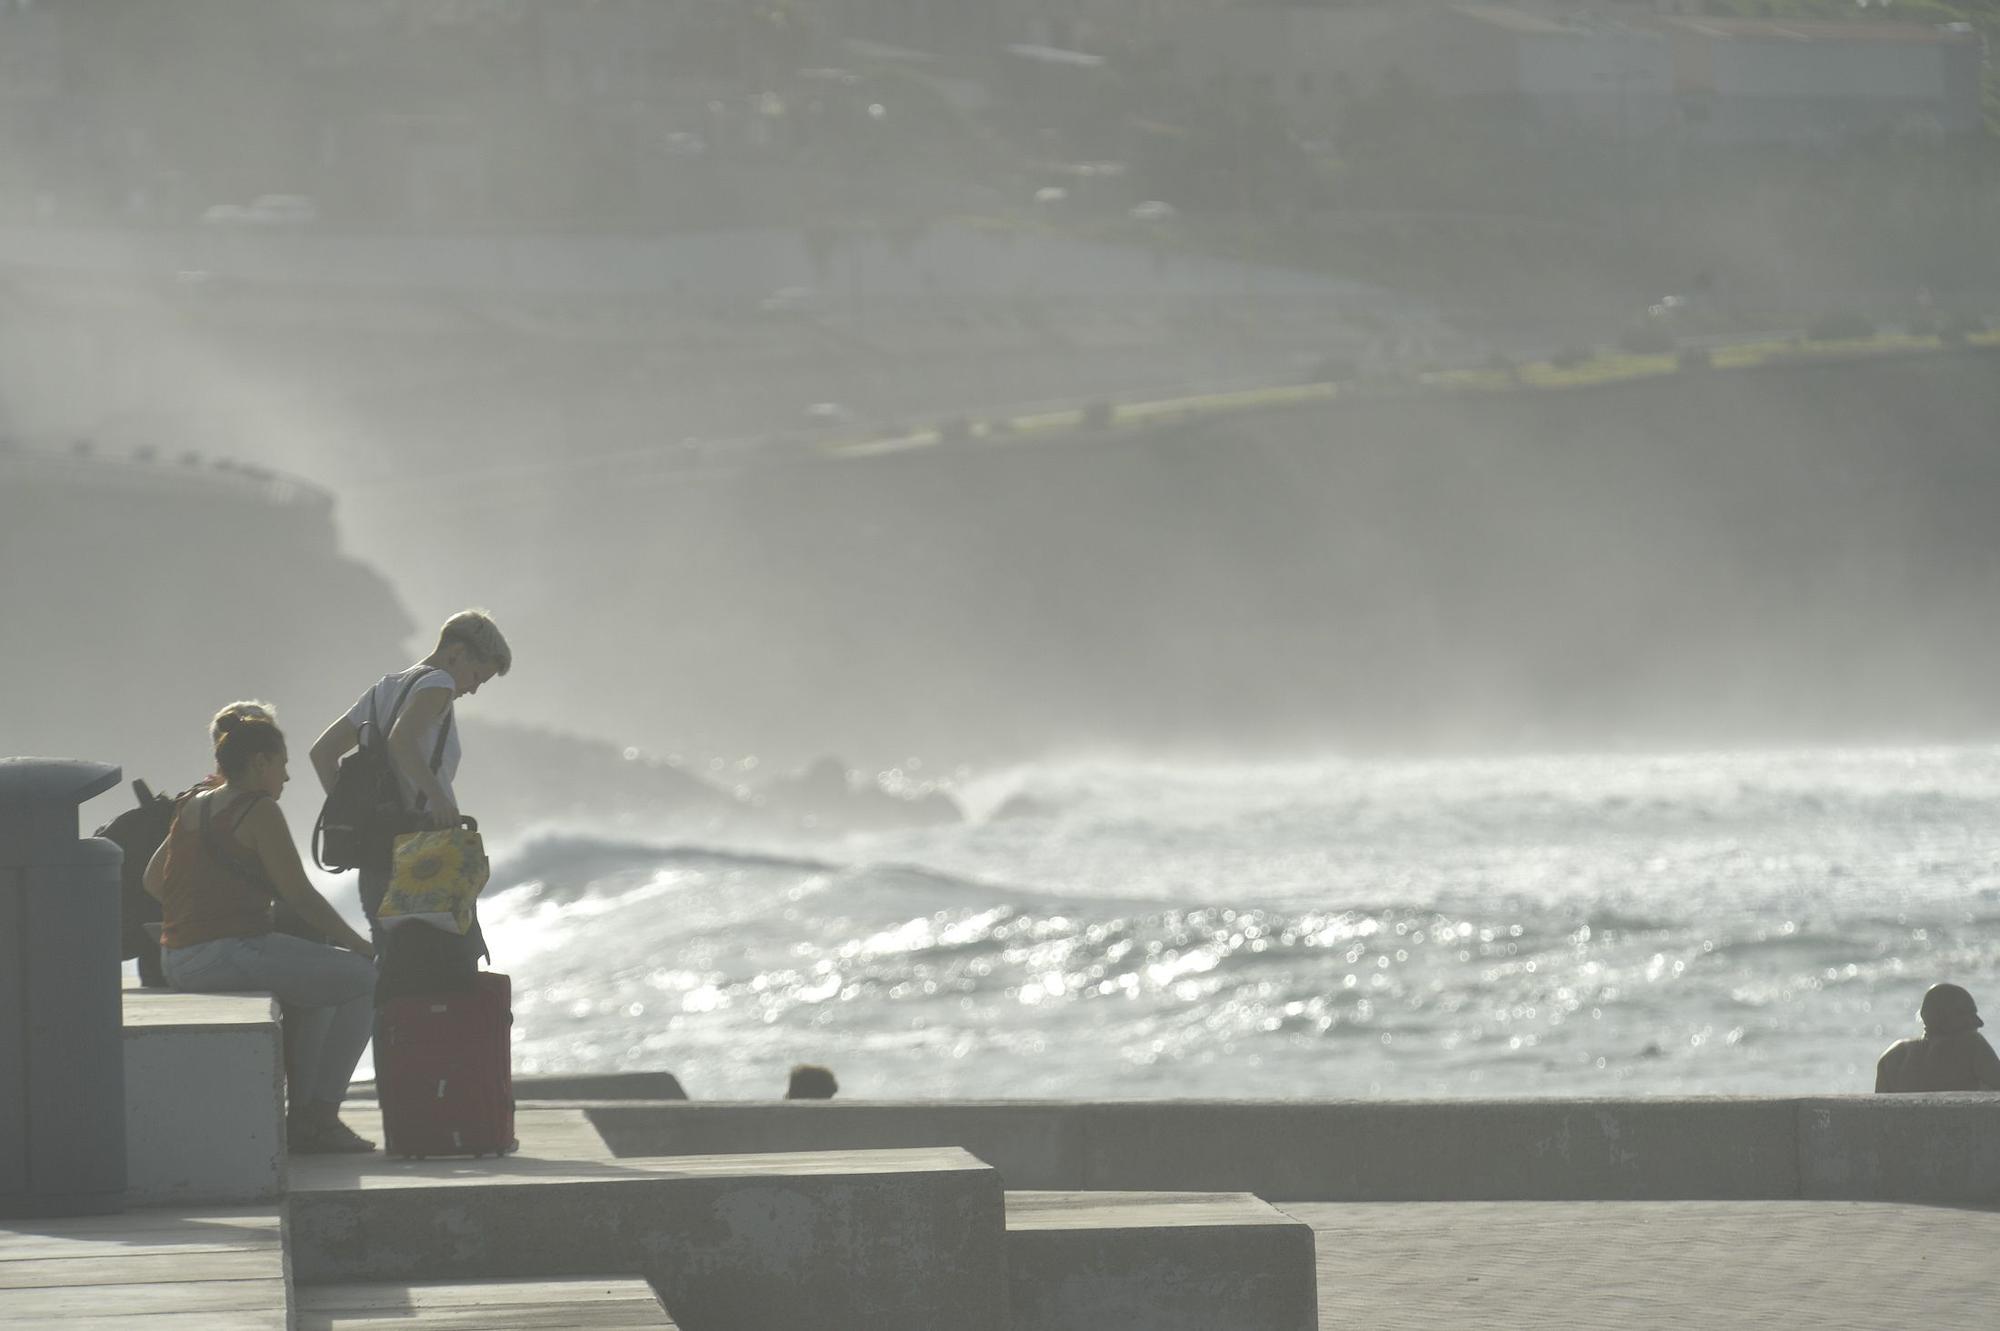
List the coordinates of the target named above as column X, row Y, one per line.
column 330, row 992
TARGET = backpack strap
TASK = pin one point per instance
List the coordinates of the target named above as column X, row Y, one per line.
column 444, row 733
column 437, row 749
column 374, row 715
column 230, row 856
column 243, row 811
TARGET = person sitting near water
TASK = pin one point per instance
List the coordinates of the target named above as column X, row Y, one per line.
column 1951, row 1055
column 285, row 919
column 228, row 857
column 810, row 1081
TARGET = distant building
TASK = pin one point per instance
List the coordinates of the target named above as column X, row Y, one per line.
column 1634, row 71
column 30, row 53
column 1780, row 81
column 1633, row 74
column 31, row 125
column 1309, row 59
column 1603, row 73
column 545, row 110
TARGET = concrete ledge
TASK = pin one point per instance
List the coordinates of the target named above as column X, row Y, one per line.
column 1932, row 1148
column 204, row 1098
column 581, row 1086
column 1135, row 1261
column 1328, row 1150
column 1440, row 1150
column 897, row 1240
column 1031, row 1144
column 494, row 1305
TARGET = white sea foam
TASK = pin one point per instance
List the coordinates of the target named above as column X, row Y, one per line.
column 1545, row 925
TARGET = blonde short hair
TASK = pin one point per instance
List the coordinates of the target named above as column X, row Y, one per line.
column 247, row 710
column 481, row 636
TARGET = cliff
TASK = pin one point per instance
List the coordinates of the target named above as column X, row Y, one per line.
column 138, row 595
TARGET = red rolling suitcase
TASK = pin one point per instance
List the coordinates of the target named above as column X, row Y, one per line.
column 444, row 1071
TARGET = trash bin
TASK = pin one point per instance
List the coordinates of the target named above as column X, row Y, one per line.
column 62, row 1042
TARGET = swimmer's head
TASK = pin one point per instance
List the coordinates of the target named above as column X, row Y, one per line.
column 1947, row 1009
column 810, row 1081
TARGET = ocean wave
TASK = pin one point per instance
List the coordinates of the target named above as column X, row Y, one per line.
column 569, row 865
column 1487, row 926
column 1620, row 922
column 1801, row 944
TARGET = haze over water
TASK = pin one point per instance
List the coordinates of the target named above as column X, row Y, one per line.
column 817, row 379
column 1553, row 925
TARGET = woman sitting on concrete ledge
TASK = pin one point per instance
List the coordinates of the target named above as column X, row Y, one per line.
column 228, row 857
column 1951, row 1056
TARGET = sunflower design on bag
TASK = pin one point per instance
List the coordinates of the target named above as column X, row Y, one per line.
column 437, row 875
column 436, row 864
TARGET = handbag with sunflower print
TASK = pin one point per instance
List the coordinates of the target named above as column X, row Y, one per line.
column 436, row 876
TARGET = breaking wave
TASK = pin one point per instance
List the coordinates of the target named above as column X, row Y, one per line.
column 1547, row 925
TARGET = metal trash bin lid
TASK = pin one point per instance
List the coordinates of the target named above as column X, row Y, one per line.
column 39, row 798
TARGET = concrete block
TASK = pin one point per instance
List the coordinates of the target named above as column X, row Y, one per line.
column 1124, row 1261
column 577, row 1086
column 488, row 1305
column 1930, row 1148
column 895, row 1240
column 1301, row 1150
column 557, row 1133
column 1443, row 1150
column 1031, row 1144
column 204, row 1098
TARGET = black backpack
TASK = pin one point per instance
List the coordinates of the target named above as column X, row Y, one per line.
column 139, row 832
column 364, row 811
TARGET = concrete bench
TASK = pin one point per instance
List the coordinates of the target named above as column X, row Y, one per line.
column 204, row 1098
column 492, row 1305
column 1144, row 1261
column 890, row 1240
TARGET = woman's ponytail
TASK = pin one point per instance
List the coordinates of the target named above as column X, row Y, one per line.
column 243, row 730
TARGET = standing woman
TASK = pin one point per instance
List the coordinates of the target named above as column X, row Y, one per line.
column 414, row 711
column 228, row 858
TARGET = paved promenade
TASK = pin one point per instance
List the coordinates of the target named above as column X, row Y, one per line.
column 144, row 1270
column 1610, row 1265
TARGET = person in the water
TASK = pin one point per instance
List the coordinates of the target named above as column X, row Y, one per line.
column 810, row 1081
column 1951, row 1055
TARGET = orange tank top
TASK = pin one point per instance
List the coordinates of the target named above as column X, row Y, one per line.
column 213, row 887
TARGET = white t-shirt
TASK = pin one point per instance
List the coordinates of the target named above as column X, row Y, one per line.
column 382, row 698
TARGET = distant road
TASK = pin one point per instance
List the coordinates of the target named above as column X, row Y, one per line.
column 744, row 264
